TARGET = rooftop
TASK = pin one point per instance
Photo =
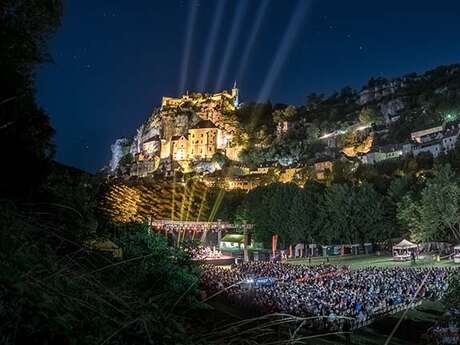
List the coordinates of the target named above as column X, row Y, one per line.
column 204, row 124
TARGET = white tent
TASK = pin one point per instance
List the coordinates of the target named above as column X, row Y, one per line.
column 405, row 244
column 457, row 254
column 402, row 250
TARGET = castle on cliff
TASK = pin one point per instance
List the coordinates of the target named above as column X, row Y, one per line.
column 182, row 133
column 203, row 99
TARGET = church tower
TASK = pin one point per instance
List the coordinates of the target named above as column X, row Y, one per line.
column 235, row 95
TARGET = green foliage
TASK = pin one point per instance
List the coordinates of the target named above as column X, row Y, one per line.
column 340, row 213
column 304, row 213
column 352, row 214
column 452, row 297
column 269, row 209
column 56, row 290
column 219, row 158
column 435, row 213
column 342, row 171
column 254, row 117
column 71, row 196
column 230, row 203
column 286, row 114
column 368, row 115
column 25, row 130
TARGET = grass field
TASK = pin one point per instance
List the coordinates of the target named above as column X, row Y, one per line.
column 359, row 261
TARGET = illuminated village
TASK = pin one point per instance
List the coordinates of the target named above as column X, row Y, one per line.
column 199, row 134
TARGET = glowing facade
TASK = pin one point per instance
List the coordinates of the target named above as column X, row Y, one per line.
column 231, row 99
column 179, row 145
column 203, row 140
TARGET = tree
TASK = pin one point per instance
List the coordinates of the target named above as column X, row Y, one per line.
column 398, row 188
column 452, row 297
column 269, row 209
column 342, row 171
column 435, row 214
column 352, row 214
column 314, row 100
column 25, row 130
column 304, row 213
column 219, row 158
column 367, row 115
column 285, row 114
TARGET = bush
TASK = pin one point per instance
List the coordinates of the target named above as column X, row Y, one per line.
column 50, row 295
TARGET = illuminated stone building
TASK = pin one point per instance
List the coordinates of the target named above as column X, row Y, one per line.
column 201, row 99
column 179, row 146
column 203, row 138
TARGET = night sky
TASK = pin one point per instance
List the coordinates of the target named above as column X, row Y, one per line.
column 115, row 59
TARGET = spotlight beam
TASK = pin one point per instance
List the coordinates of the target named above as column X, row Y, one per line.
column 283, row 51
column 261, row 10
column 173, row 195
column 190, row 27
column 204, row 198
column 211, row 46
column 190, row 199
column 230, row 47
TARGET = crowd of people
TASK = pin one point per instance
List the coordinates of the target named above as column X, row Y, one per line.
column 204, row 253
column 334, row 294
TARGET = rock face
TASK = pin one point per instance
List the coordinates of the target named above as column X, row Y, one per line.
column 173, row 124
column 120, row 148
column 376, row 93
column 156, row 139
column 391, row 109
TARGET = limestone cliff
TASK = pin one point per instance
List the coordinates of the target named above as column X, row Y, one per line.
column 155, row 139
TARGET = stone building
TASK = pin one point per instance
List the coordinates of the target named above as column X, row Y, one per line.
column 179, row 147
column 201, row 99
column 203, row 139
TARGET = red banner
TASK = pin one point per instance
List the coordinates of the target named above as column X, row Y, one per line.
column 274, row 243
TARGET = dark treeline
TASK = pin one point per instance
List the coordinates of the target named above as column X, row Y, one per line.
column 411, row 197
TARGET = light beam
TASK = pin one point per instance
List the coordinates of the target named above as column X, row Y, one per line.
column 289, row 37
column 190, row 27
column 230, row 47
column 211, row 46
column 261, row 10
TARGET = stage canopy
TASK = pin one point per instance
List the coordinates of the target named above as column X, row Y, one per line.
column 405, row 244
column 233, row 238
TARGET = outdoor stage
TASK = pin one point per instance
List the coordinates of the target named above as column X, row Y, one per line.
column 218, row 261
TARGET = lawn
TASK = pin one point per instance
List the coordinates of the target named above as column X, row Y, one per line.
column 360, row 261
